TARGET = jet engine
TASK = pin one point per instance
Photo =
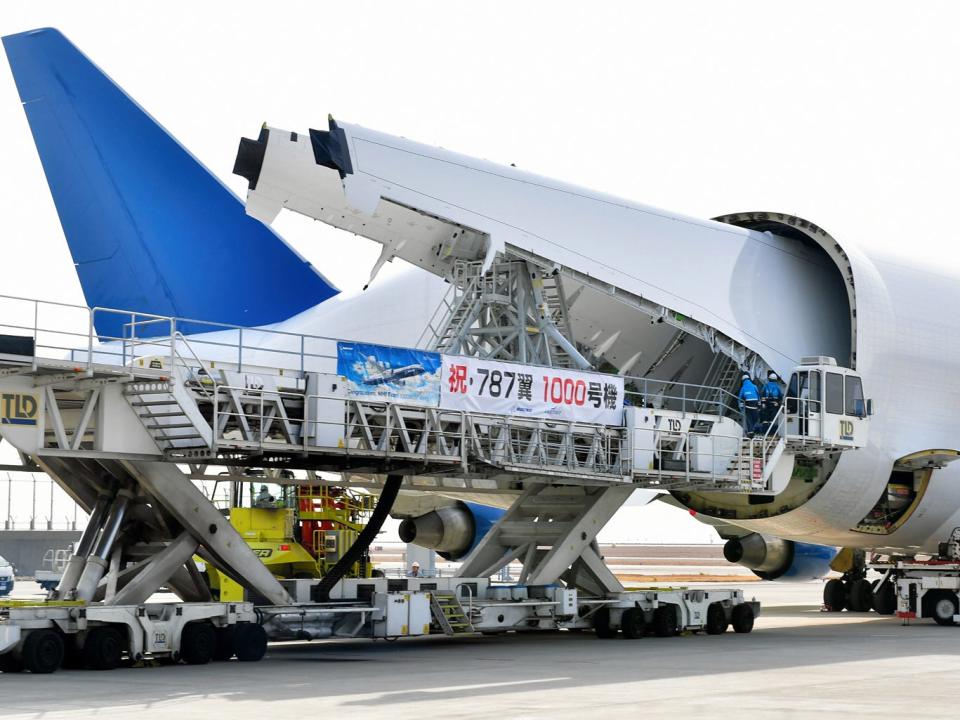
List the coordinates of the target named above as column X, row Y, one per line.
column 771, row 558
column 451, row 531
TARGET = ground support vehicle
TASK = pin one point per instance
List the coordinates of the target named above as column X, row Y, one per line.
column 458, row 606
column 7, row 577
column 42, row 638
column 127, row 424
column 52, row 565
column 919, row 587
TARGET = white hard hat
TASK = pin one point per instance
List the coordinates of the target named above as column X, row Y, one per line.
column 415, row 564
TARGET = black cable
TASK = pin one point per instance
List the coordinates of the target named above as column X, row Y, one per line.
column 391, row 488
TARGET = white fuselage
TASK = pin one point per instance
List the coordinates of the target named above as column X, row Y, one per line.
column 908, row 353
column 781, row 295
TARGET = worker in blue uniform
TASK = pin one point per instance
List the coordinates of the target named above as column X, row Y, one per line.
column 771, row 398
column 749, row 405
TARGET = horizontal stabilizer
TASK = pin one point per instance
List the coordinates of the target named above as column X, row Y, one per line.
column 149, row 227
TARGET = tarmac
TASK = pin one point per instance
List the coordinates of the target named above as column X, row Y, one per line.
column 798, row 662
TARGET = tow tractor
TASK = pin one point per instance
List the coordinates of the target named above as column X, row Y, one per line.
column 921, row 588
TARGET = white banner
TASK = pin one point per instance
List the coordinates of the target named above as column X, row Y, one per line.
column 496, row 387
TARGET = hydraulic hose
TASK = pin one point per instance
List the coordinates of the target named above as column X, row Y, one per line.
column 391, row 488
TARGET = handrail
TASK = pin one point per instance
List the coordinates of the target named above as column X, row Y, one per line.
column 497, row 440
column 682, row 396
column 173, row 341
column 469, row 599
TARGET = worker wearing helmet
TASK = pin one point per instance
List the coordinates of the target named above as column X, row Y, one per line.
column 264, row 498
column 750, row 405
column 771, row 398
column 415, row 569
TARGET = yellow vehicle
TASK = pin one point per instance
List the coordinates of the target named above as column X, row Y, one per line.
column 300, row 534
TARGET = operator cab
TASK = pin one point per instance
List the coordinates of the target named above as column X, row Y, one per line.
column 825, row 404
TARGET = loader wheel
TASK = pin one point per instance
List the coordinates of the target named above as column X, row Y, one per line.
column 198, row 643
column 225, row 643
column 743, row 618
column 834, row 595
column 43, row 651
column 9, row 663
column 601, row 624
column 72, row 653
column 665, row 621
column 885, row 598
column 103, row 648
column 633, row 624
column 251, row 642
column 716, row 619
column 941, row 606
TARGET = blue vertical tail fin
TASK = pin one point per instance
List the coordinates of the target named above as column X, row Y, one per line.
column 149, row 227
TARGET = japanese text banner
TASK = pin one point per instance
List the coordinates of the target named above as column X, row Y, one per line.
column 495, row 387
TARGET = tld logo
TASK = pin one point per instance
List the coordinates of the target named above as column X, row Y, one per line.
column 18, row 409
column 846, row 430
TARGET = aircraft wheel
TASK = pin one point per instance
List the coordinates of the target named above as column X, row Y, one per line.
column 941, row 606
column 251, row 642
column 885, row 598
column 198, row 643
column 860, row 596
column 665, row 621
column 716, row 619
column 43, row 651
column 743, row 618
column 601, row 624
column 834, row 595
column 102, row 648
column 633, row 624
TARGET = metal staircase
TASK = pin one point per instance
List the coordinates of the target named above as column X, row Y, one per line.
column 457, row 312
column 514, row 311
column 721, row 377
column 449, row 615
column 757, row 459
column 169, row 413
column 554, row 308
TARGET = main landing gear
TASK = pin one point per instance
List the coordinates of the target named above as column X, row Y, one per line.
column 855, row 593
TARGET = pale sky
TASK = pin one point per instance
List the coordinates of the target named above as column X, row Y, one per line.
column 846, row 114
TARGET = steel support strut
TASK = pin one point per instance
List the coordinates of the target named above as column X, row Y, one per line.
column 551, row 530
column 223, row 544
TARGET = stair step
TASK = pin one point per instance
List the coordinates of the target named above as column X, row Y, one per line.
column 151, row 415
column 172, row 426
column 151, row 403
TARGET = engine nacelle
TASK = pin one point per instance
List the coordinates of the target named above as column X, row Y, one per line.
column 451, row 531
column 772, row 558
